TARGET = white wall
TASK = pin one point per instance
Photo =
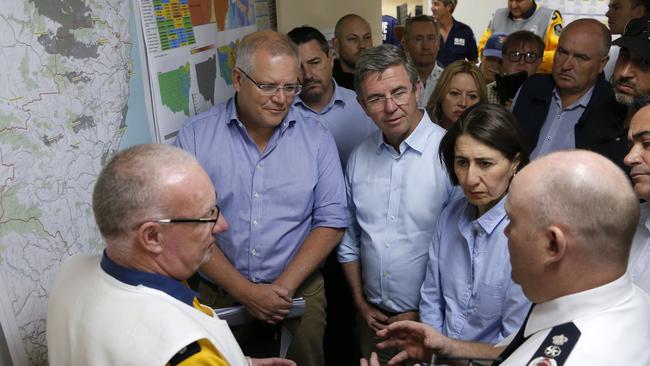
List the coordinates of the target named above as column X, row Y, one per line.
column 324, row 14
column 477, row 13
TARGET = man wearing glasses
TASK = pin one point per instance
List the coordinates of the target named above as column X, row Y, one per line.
column 281, row 188
column 521, row 51
column 563, row 111
column 156, row 210
column 396, row 188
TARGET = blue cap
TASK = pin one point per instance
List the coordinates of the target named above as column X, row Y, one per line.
column 493, row 45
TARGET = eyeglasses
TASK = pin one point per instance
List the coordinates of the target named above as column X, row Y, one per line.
column 213, row 218
column 272, row 89
column 529, row 57
column 399, row 97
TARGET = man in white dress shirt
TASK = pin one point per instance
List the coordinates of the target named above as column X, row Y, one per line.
column 396, row 187
column 638, row 159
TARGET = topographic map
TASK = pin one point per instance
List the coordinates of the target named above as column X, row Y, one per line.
column 64, row 75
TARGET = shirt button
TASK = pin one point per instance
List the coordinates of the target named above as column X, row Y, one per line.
column 255, row 222
column 387, row 245
column 260, row 165
column 254, row 252
column 392, row 218
column 254, row 279
column 386, row 274
column 256, row 194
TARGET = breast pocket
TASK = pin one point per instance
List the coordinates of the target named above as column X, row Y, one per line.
column 489, row 301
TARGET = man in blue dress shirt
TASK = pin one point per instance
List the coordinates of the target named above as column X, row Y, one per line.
column 337, row 107
column 281, row 188
column 573, row 108
column 396, row 188
column 321, row 96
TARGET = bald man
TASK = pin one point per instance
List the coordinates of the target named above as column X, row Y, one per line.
column 156, row 210
column 563, row 111
column 572, row 218
column 351, row 36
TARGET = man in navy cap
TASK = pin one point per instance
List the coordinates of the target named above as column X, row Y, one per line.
column 631, row 78
column 491, row 59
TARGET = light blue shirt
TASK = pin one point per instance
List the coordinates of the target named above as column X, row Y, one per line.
column 558, row 132
column 394, row 200
column 345, row 119
column 468, row 291
column 273, row 199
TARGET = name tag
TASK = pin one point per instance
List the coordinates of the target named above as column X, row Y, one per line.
column 459, row 41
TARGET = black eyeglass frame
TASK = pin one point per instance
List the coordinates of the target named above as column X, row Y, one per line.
column 198, row 220
column 529, row 57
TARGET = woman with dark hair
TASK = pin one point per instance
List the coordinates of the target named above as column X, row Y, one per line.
column 468, row 293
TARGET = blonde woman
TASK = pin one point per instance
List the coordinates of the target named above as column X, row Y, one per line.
column 459, row 87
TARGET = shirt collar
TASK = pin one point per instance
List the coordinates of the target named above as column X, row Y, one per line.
column 579, row 305
column 233, row 117
column 156, row 281
column 491, row 219
column 433, row 76
column 527, row 14
column 582, row 102
column 337, row 97
column 417, row 140
column 645, row 215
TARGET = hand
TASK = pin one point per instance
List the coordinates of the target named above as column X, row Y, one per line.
column 374, row 360
column 409, row 315
column 272, row 362
column 416, row 340
column 508, row 104
column 267, row 302
column 374, row 317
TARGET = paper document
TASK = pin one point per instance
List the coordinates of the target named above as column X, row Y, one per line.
column 238, row 315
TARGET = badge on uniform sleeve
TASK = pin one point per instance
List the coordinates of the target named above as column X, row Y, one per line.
column 459, row 41
column 557, row 346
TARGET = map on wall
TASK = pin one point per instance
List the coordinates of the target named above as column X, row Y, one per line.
column 189, row 47
column 65, row 73
column 73, row 93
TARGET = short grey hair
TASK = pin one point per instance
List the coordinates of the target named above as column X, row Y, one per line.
column 380, row 58
column 277, row 44
column 127, row 189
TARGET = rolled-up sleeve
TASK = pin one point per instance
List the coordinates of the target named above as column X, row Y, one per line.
column 348, row 250
column 329, row 192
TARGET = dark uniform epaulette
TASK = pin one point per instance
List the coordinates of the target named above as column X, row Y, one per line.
column 557, row 346
column 185, row 353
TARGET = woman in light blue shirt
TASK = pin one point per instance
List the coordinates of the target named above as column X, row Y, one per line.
column 468, row 293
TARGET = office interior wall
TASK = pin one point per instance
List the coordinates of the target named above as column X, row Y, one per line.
column 324, row 14
column 389, row 7
column 477, row 14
